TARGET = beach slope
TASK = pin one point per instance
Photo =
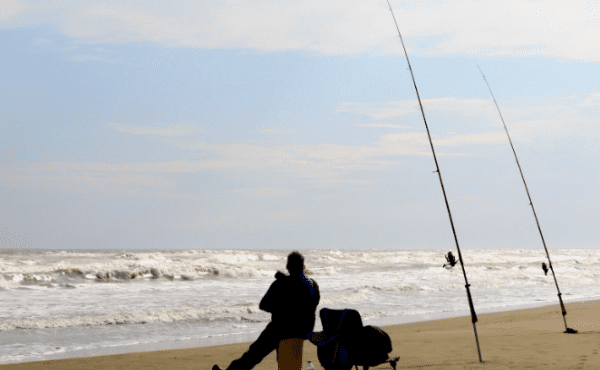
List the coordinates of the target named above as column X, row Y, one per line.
column 522, row 339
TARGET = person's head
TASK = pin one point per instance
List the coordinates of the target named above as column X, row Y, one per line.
column 450, row 252
column 295, row 263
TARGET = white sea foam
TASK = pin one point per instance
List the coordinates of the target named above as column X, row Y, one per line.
column 222, row 313
column 343, row 298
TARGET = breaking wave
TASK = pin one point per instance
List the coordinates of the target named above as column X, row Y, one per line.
column 209, row 314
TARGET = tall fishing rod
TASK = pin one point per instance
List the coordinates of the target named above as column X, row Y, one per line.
column 467, row 285
column 562, row 306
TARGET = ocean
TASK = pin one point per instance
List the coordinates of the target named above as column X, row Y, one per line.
column 74, row 303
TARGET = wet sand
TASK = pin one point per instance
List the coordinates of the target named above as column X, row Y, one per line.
column 522, row 339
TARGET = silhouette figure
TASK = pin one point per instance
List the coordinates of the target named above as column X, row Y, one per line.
column 545, row 268
column 451, row 260
column 292, row 301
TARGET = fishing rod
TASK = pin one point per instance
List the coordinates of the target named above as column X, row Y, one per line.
column 467, row 285
column 562, row 306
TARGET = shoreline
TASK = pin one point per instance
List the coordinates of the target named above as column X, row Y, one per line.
column 515, row 338
column 249, row 336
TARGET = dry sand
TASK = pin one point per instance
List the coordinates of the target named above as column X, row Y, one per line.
column 523, row 339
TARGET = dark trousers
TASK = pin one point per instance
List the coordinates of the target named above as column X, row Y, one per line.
column 267, row 341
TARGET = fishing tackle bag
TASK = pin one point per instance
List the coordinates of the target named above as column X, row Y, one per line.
column 345, row 342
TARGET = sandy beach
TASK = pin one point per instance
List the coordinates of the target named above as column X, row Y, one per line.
column 522, row 339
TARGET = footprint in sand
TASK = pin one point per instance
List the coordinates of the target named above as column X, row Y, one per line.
column 583, row 360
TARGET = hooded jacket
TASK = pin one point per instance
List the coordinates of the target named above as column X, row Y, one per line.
column 292, row 301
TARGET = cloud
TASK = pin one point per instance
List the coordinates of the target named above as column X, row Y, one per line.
column 42, row 42
column 88, row 58
column 272, row 132
column 323, row 165
column 382, row 125
column 263, row 192
column 286, row 215
column 471, row 27
column 379, row 110
column 540, row 123
column 574, row 96
column 591, row 100
column 245, row 220
column 325, row 197
column 404, row 107
column 464, row 106
column 488, row 138
column 480, row 117
column 85, row 178
column 10, row 9
column 417, row 143
column 173, row 130
column 336, row 152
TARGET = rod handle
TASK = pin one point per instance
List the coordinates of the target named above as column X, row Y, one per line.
column 473, row 314
column 562, row 306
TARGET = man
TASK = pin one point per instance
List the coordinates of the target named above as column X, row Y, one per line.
column 292, row 301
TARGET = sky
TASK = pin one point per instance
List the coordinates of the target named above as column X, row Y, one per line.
column 239, row 124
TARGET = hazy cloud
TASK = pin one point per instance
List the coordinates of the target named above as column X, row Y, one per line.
column 42, row 42
column 319, row 165
column 256, row 219
column 574, row 96
column 84, row 178
column 286, row 215
column 591, row 100
column 382, row 125
column 472, row 27
column 173, row 130
column 87, row 58
column 379, row 110
column 272, row 132
column 402, row 107
column 488, row 138
column 10, row 9
column 417, row 143
column 263, row 192
column 524, row 123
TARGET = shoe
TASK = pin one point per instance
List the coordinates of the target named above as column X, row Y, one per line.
column 216, row 367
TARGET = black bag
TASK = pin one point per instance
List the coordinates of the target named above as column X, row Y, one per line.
column 349, row 343
column 373, row 346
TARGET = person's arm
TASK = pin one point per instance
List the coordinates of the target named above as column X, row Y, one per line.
column 317, row 294
column 320, row 339
column 269, row 302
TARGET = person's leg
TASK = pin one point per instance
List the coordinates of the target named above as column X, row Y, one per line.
column 265, row 344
